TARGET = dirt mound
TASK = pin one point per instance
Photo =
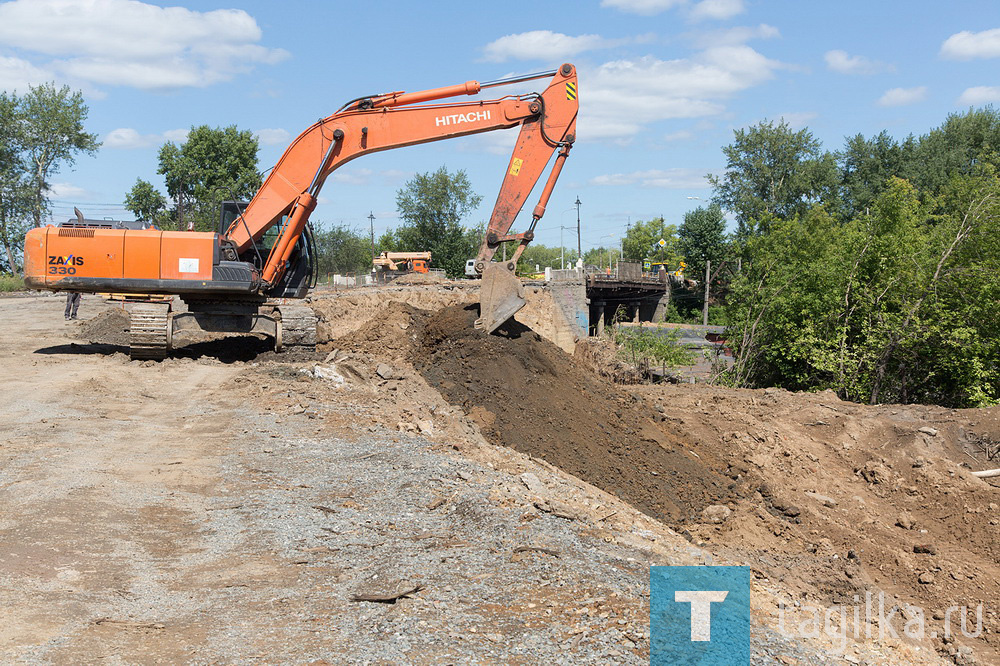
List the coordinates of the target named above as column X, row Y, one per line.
column 109, row 328
column 841, row 499
column 392, row 333
column 527, row 394
column 344, row 312
column 420, row 278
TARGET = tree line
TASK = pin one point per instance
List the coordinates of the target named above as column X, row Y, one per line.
column 872, row 270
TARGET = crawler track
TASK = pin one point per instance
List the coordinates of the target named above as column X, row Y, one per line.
column 149, row 334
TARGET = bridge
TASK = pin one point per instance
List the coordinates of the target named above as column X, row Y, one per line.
column 591, row 299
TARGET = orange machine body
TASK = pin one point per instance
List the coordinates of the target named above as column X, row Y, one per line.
column 150, row 260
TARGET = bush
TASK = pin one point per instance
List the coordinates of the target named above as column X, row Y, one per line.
column 653, row 346
column 11, row 283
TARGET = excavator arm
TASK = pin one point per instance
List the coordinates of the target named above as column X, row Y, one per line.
column 393, row 120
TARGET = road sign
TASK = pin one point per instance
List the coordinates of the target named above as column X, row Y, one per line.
column 662, row 243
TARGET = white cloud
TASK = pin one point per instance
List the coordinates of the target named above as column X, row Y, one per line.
column 540, row 45
column 273, row 137
column 349, row 175
column 840, row 61
column 176, row 135
column 623, row 95
column 18, row 74
column 131, row 43
column 980, row 95
column 682, row 135
column 352, row 176
column 717, row 9
column 671, row 179
column 736, row 36
column 798, row 120
column 643, row 7
column 903, row 96
column 126, row 138
column 967, row 45
column 67, row 191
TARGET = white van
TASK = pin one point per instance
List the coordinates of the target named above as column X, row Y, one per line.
column 470, row 269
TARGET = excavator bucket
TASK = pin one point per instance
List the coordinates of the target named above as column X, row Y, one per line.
column 500, row 296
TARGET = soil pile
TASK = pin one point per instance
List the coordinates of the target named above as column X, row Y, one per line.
column 109, row 328
column 527, row 394
column 420, row 278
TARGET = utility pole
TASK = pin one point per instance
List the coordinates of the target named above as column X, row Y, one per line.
column 579, row 250
column 708, row 273
column 371, row 223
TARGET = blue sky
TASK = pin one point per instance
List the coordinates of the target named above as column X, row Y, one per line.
column 663, row 84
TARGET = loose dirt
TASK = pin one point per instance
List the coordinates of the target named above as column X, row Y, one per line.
column 525, row 393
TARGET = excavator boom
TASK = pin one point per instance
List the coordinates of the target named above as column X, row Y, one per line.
column 383, row 122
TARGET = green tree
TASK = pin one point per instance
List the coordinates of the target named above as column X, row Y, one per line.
column 212, row 166
column 963, row 142
column 146, row 202
column 544, row 257
column 702, row 237
column 866, row 165
column 432, row 206
column 15, row 189
column 51, row 123
column 342, row 250
column 601, row 256
column 773, row 173
column 895, row 305
column 642, row 242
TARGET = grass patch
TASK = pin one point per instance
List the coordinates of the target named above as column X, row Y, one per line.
column 11, row 283
column 652, row 347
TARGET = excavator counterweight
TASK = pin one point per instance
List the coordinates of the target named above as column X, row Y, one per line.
column 229, row 279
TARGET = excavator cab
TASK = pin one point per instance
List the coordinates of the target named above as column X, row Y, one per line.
column 300, row 275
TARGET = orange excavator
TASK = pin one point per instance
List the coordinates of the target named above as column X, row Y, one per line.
column 236, row 279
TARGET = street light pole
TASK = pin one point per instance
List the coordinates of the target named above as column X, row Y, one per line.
column 562, row 249
column 371, row 222
column 579, row 249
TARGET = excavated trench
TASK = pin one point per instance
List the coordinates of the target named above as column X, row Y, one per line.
column 529, row 395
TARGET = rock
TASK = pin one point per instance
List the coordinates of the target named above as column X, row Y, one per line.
column 715, row 514
column 792, row 511
column 557, row 509
column 329, row 373
column 927, row 430
column 925, row 549
column 963, row 656
column 386, row 371
column 822, row 499
column 874, row 473
column 905, row 521
column 532, row 483
column 426, row 427
column 926, row 578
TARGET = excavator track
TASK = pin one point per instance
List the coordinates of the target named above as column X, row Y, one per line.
column 297, row 328
column 149, row 334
